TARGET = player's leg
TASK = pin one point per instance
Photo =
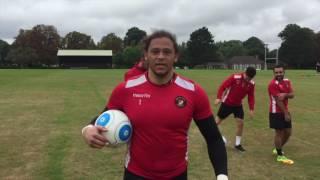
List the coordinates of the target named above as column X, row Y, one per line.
column 239, row 116
column 286, row 127
column 223, row 112
column 218, row 120
column 278, row 137
column 277, row 122
column 286, row 135
column 240, row 126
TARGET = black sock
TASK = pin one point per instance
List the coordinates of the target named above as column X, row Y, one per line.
column 279, row 151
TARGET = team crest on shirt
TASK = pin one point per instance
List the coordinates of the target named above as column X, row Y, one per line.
column 180, row 101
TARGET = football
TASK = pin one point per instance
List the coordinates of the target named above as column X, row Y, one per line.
column 118, row 125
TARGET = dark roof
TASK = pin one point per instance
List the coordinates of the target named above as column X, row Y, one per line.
column 245, row 60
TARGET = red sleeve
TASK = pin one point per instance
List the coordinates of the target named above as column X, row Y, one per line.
column 202, row 104
column 226, row 84
column 129, row 74
column 251, row 97
column 290, row 87
column 126, row 76
column 273, row 90
column 134, row 71
column 116, row 97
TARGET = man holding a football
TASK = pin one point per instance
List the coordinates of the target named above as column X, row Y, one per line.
column 161, row 106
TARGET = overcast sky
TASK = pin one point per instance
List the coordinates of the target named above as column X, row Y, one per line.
column 225, row 19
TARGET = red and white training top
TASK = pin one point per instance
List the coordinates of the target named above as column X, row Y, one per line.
column 234, row 89
column 275, row 88
column 160, row 117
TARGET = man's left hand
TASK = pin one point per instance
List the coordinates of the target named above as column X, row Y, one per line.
column 251, row 113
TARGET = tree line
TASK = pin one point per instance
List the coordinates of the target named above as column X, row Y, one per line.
column 37, row 47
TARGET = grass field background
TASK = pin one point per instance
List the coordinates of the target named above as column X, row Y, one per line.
column 42, row 113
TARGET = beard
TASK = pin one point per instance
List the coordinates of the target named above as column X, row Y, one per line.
column 279, row 78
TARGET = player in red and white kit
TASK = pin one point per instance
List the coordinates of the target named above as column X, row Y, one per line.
column 280, row 91
column 139, row 68
column 161, row 105
column 230, row 95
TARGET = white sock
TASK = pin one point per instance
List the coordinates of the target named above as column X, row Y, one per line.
column 224, row 140
column 238, row 140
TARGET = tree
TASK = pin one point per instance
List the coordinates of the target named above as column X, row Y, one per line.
column 134, row 36
column 117, row 60
column 272, row 53
column 184, row 60
column 228, row 49
column 131, row 55
column 201, row 48
column 77, row 40
column 317, row 39
column 4, row 49
column 255, row 47
column 111, row 41
column 298, row 47
column 43, row 40
column 22, row 56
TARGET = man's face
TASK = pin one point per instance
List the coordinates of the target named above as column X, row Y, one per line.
column 161, row 56
column 247, row 78
column 278, row 73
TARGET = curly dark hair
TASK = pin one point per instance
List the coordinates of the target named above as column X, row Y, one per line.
column 160, row 34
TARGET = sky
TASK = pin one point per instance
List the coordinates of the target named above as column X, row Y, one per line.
column 225, row 19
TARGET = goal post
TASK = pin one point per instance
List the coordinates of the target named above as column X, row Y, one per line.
column 267, row 60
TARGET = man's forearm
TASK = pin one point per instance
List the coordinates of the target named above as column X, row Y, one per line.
column 290, row 95
column 281, row 106
column 216, row 147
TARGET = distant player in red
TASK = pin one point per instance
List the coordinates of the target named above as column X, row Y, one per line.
column 139, row 68
column 280, row 91
column 161, row 105
column 230, row 95
column 318, row 67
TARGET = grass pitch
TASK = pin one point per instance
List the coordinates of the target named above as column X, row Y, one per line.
column 42, row 113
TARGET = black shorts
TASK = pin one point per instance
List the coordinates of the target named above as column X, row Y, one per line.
column 277, row 121
column 131, row 176
column 226, row 110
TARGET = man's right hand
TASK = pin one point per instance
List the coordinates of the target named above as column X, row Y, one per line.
column 282, row 96
column 217, row 101
column 287, row 116
column 93, row 135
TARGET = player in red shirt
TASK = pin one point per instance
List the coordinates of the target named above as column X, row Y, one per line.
column 230, row 95
column 280, row 91
column 161, row 105
column 139, row 68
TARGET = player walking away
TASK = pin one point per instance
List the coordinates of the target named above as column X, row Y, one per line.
column 230, row 95
column 318, row 67
column 280, row 91
column 139, row 68
column 161, row 105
